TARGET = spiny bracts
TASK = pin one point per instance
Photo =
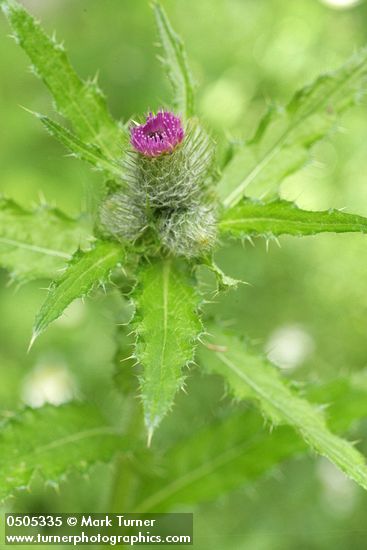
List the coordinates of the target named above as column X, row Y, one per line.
column 167, row 176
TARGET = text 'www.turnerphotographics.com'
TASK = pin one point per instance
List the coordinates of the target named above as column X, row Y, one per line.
column 99, row 529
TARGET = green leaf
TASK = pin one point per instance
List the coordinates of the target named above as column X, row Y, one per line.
column 282, row 142
column 224, row 282
column 175, row 63
column 216, row 460
column 80, row 102
column 280, row 217
column 250, row 376
column 80, row 149
column 37, row 244
column 85, row 270
column 53, row 441
column 234, row 451
column 167, row 326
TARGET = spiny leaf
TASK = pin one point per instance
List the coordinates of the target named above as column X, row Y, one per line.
column 282, row 142
column 53, row 441
column 224, row 282
column 80, row 102
column 280, row 217
column 85, row 270
column 175, row 62
column 167, row 326
column 250, row 376
column 230, row 453
column 80, row 149
column 39, row 243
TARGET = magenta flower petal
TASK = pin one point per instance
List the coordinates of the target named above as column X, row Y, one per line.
column 160, row 134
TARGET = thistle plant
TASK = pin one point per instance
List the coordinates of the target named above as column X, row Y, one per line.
column 165, row 207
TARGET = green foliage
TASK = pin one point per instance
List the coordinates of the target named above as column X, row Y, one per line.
column 280, row 217
column 167, row 326
column 250, row 376
column 169, row 201
column 80, row 102
column 85, row 270
column 175, row 63
column 283, row 139
column 80, row 149
column 215, row 460
column 234, row 451
column 39, row 243
column 53, row 441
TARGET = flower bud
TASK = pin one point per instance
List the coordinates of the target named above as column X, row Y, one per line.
column 189, row 233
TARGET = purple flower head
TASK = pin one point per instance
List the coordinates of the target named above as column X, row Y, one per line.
column 160, row 134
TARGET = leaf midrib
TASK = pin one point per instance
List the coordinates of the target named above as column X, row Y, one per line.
column 357, row 471
column 183, row 74
column 39, row 328
column 93, row 432
column 165, row 292
column 34, row 248
column 198, row 473
column 108, row 163
column 81, row 84
column 235, row 222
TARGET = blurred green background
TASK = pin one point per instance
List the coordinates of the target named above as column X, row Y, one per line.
column 307, row 302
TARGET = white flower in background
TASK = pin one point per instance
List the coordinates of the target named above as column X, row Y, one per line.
column 49, row 382
column 73, row 316
column 339, row 493
column 340, row 4
column 289, row 346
